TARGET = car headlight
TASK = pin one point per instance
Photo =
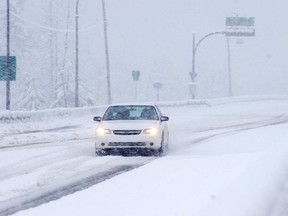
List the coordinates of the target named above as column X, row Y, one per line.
column 151, row 131
column 102, row 131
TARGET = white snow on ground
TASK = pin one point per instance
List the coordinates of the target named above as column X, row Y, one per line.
column 226, row 158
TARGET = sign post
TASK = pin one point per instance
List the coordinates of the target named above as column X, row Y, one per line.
column 158, row 86
column 135, row 76
column 237, row 27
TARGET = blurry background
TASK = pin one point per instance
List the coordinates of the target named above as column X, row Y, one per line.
column 153, row 37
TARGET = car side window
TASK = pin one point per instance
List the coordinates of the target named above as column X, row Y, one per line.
column 149, row 113
column 157, row 108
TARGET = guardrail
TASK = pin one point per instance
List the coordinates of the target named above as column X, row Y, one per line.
column 42, row 115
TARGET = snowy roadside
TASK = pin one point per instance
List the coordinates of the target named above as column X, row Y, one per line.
column 47, row 126
column 20, row 128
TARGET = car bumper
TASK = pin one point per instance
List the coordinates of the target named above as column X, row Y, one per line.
column 131, row 141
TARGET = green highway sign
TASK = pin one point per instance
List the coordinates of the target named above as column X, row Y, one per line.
column 241, row 33
column 135, row 75
column 240, row 21
column 240, row 26
column 3, row 68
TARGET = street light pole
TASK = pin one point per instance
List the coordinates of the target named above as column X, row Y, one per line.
column 107, row 54
column 135, row 76
column 193, row 74
column 77, row 56
column 229, row 67
column 233, row 24
column 158, row 86
column 8, row 71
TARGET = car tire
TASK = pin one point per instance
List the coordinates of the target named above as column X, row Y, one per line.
column 161, row 150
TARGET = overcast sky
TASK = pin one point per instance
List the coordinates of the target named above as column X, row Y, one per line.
column 155, row 37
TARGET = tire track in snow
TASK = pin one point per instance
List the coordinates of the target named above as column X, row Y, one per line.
column 235, row 128
column 29, row 201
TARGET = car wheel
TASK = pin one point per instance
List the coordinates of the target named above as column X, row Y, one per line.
column 166, row 144
column 160, row 151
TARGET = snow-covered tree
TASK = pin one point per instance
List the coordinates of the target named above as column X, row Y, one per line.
column 85, row 96
column 43, row 41
column 56, row 16
column 18, row 33
column 21, row 44
column 65, row 90
column 31, row 98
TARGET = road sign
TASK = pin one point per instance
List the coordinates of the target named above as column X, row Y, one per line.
column 240, row 21
column 157, row 85
column 240, row 33
column 135, row 75
column 193, row 75
column 3, row 68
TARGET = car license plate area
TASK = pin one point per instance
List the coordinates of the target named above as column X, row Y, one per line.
column 126, row 144
column 126, row 132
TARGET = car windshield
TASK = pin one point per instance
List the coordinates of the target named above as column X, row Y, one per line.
column 131, row 112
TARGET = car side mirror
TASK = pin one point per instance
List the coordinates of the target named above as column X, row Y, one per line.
column 97, row 118
column 164, row 118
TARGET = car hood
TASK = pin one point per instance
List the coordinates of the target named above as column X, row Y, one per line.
column 128, row 124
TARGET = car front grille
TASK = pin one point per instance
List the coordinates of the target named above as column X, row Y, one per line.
column 126, row 144
column 127, row 132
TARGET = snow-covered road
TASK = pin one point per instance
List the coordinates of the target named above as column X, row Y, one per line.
column 35, row 174
column 225, row 158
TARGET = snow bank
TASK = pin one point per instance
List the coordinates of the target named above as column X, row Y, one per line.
column 43, row 115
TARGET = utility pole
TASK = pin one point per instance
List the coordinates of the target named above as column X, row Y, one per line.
column 8, row 71
column 107, row 54
column 77, row 56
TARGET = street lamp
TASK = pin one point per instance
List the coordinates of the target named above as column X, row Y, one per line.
column 239, row 27
column 193, row 74
column 77, row 56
